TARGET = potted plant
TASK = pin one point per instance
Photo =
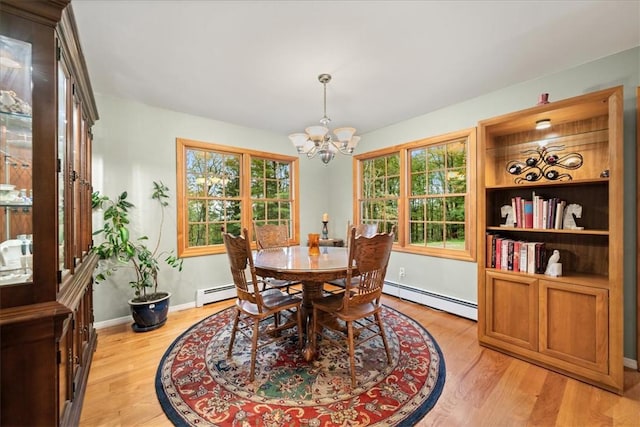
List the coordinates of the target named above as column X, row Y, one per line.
column 149, row 307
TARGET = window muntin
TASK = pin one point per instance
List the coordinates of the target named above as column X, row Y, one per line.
column 226, row 188
column 424, row 187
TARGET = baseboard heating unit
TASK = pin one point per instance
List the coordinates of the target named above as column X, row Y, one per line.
column 214, row 293
column 440, row 302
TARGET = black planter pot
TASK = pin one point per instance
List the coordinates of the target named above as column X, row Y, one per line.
column 150, row 315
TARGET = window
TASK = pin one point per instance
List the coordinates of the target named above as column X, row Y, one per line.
column 271, row 191
column 226, row 188
column 425, row 189
column 380, row 191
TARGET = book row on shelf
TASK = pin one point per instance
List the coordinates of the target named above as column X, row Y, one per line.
column 515, row 255
column 538, row 213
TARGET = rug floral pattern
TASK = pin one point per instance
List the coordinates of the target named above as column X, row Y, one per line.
column 197, row 385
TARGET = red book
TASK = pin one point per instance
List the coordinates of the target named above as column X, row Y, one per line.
column 498, row 252
column 528, row 214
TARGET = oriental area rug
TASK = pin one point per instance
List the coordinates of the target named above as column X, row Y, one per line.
column 198, row 385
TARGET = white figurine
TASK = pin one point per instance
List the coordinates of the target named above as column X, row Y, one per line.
column 569, row 221
column 507, row 211
column 554, row 268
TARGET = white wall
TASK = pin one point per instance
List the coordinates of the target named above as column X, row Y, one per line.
column 135, row 144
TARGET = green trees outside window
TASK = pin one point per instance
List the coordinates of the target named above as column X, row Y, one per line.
column 271, row 192
column 380, row 191
column 437, row 195
column 213, row 195
column 227, row 188
column 424, row 188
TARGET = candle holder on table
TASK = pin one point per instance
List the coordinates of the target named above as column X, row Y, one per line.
column 325, row 230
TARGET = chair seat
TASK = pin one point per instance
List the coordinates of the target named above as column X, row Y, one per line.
column 272, row 299
column 280, row 299
column 277, row 283
column 343, row 282
column 333, row 304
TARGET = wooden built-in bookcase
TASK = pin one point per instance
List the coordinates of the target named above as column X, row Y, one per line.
column 572, row 323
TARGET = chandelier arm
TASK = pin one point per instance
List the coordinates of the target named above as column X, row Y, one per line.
column 341, row 149
column 312, row 153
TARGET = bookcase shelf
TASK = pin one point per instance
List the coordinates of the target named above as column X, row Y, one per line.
column 571, row 323
column 548, row 230
column 586, row 279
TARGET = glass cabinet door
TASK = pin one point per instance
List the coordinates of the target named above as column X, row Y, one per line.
column 16, row 165
column 62, row 148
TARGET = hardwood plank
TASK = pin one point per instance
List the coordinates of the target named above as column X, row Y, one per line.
column 483, row 387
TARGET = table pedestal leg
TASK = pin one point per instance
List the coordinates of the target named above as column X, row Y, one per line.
column 310, row 292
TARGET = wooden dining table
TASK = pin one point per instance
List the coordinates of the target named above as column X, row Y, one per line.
column 295, row 263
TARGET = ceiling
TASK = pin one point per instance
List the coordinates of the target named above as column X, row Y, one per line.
column 256, row 63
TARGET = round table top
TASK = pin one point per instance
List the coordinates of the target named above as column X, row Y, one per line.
column 294, row 259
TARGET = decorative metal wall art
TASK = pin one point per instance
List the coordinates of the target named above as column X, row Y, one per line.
column 544, row 162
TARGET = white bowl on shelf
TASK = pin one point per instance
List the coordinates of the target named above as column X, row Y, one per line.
column 7, row 187
column 8, row 195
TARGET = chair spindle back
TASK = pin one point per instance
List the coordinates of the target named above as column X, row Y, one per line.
column 239, row 253
column 370, row 257
column 271, row 236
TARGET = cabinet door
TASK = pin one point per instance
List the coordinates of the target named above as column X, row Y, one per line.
column 512, row 309
column 64, row 123
column 574, row 324
column 16, row 165
column 65, row 388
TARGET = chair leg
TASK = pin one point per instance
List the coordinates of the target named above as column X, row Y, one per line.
column 233, row 332
column 352, row 357
column 276, row 320
column 384, row 337
column 254, row 348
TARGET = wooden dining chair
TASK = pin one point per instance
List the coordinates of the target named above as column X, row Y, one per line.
column 274, row 236
column 359, row 305
column 366, row 230
column 362, row 229
column 256, row 309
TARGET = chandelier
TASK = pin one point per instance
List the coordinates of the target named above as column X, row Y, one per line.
column 316, row 140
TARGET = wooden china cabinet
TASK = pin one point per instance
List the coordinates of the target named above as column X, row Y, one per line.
column 46, row 309
column 572, row 321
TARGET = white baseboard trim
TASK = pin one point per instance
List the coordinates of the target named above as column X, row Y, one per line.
column 440, row 302
column 630, row 363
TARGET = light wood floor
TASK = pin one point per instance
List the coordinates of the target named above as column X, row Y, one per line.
column 482, row 388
